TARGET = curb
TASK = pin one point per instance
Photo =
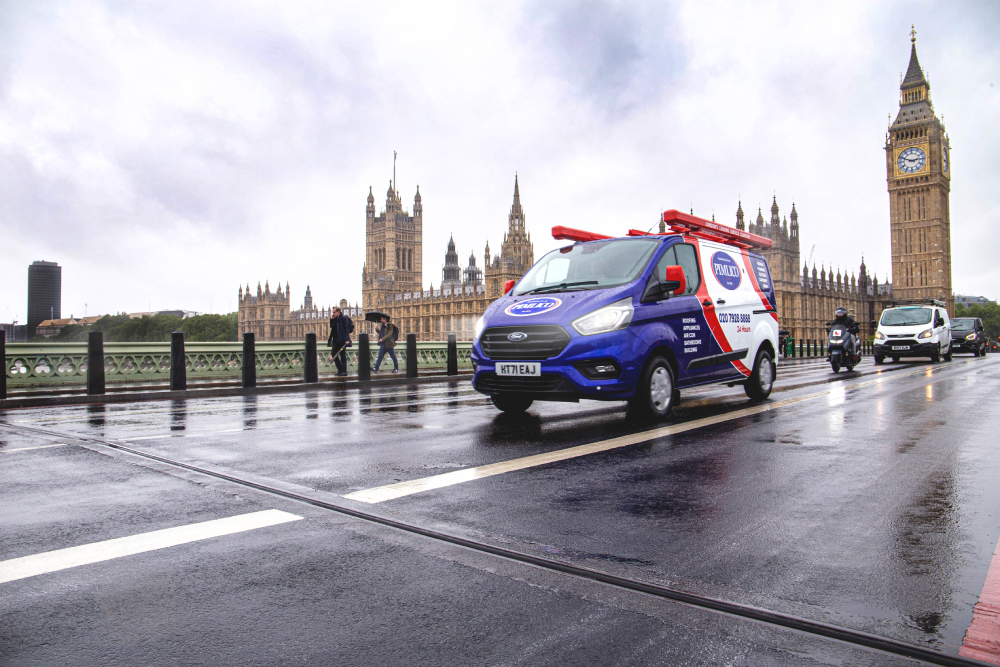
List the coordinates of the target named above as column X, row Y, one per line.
column 145, row 396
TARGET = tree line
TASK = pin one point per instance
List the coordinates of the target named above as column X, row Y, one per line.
column 152, row 329
column 989, row 313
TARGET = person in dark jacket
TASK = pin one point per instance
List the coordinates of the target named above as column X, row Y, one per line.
column 340, row 337
column 846, row 320
column 386, row 343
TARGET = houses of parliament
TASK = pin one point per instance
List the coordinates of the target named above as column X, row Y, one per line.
column 391, row 281
column 918, row 178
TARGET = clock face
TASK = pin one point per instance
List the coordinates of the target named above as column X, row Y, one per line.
column 911, row 160
column 944, row 160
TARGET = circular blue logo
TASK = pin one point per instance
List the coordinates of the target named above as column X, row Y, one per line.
column 726, row 271
column 541, row 304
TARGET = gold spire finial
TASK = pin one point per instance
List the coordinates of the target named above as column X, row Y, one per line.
column 913, row 34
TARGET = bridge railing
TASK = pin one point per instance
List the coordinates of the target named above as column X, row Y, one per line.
column 49, row 364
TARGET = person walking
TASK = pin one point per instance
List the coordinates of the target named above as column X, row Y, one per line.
column 387, row 334
column 341, row 328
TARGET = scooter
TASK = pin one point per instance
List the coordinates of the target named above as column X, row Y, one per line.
column 842, row 346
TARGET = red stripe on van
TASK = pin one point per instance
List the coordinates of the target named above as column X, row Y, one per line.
column 709, row 311
column 756, row 285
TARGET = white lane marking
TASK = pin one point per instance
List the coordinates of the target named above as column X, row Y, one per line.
column 25, row 449
column 391, row 491
column 380, row 494
column 61, row 559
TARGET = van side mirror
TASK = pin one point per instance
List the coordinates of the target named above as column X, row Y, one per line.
column 675, row 281
column 508, row 286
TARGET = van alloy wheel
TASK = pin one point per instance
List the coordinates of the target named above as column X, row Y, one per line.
column 661, row 389
column 655, row 393
column 758, row 386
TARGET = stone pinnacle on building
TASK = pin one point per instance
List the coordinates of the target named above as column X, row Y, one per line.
column 914, row 74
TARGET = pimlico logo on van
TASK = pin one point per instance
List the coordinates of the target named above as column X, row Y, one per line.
column 534, row 306
column 726, row 271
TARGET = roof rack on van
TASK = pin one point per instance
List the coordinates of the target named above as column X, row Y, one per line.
column 680, row 223
column 712, row 231
column 918, row 302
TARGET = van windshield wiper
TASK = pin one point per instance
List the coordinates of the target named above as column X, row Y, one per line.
column 556, row 288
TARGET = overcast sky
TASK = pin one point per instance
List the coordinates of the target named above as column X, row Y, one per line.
column 166, row 153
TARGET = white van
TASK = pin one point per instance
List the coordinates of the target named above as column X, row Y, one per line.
column 914, row 331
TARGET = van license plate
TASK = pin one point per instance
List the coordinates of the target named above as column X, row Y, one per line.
column 523, row 369
column 901, row 347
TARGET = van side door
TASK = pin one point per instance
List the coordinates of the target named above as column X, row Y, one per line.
column 675, row 319
column 728, row 299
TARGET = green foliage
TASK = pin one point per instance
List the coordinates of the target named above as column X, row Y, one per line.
column 988, row 313
column 210, row 328
column 154, row 329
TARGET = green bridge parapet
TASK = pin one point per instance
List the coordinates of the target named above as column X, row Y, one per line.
column 51, row 364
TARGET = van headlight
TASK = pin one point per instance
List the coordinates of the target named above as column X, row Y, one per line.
column 879, row 335
column 609, row 318
column 480, row 325
column 926, row 334
column 971, row 336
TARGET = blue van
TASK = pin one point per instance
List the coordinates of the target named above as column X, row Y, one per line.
column 634, row 318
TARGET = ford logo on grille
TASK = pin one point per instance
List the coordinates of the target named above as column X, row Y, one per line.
column 517, row 336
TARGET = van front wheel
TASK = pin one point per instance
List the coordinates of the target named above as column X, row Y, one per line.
column 758, row 385
column 511, row 402
column 654, row 397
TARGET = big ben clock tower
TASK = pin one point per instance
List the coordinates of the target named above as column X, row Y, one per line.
column 918, row 167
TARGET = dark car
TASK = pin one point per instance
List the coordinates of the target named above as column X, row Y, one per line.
column 967, row 335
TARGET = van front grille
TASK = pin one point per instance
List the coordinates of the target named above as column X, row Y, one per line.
column 537, row 341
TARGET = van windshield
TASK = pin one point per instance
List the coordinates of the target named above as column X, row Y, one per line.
column 587, row 266
column 963, row 324
column 901, row 317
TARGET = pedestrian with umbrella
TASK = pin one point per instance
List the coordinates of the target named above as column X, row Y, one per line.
column 387, row 334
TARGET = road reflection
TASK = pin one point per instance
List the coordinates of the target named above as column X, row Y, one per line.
column 96, row 416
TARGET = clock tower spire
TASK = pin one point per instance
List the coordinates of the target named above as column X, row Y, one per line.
column 918, row 173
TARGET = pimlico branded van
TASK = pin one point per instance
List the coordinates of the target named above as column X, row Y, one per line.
column 634, row 318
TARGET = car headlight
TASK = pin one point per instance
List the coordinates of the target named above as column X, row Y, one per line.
column 609, row 318
column 480, row 325
column 971, row 336
column 879, row 335
column 926, row 334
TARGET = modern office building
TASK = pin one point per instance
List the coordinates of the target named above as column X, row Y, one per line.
column 44, row 293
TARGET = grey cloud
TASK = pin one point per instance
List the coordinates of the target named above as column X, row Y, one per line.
column 618, row 55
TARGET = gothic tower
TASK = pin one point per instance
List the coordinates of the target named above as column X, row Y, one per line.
column 393, row 249
column 451, row 274
column 918, row 173
column 517, row 254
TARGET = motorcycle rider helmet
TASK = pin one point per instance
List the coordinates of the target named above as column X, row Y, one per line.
column 840, row 312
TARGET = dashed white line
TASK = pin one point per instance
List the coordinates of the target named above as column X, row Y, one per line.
column 399, row 489
column 62, row 559
column 25, row 449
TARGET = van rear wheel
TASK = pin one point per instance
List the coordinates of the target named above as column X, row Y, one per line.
column 511, row 402
column 758, row 385
column 654, row 397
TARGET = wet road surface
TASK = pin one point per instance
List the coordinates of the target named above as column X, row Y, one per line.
column 867, row 501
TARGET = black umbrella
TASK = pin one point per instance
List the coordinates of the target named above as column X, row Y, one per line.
column 375, row 316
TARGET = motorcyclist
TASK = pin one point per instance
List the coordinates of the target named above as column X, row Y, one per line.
column 844, row 319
